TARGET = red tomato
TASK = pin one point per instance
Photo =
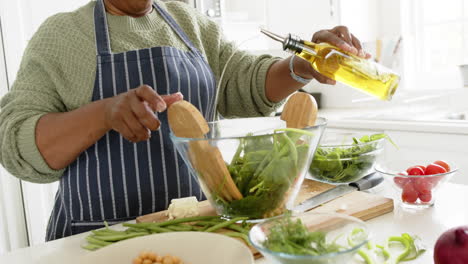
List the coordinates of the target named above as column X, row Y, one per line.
column 434, row 169
column 409, row 194
column 422, row 185
column 401, row 181
column 435, row 180
column 443, row 164
column 416, row 170
column 426, row 197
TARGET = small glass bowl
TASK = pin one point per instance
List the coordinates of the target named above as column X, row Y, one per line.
column 338, row 163
column 337, row 227
column 414, row 191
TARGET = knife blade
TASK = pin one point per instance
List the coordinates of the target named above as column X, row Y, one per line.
column 365, row 183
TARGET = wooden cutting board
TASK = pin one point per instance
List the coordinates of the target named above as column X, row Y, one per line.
column 358, row 204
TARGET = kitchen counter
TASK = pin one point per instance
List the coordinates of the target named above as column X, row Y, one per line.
column 449, row 211
column 397, row 119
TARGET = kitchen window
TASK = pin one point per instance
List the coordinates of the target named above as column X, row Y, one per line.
column 436, row 38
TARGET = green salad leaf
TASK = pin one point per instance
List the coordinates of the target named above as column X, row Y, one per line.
column 292, row 237
column 347, row 164
column 263, row 169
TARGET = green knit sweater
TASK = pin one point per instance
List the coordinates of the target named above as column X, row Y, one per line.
column 58, row 69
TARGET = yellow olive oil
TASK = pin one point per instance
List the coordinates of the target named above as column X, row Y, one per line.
column 362, row 74
column 356, row 72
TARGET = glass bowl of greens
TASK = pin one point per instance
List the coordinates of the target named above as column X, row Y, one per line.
column 309, row 238
column 343, row 158
column 251, row 167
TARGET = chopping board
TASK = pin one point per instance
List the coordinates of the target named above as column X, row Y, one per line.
column 359, row 204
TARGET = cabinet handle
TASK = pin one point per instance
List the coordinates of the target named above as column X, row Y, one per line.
column 332, row 8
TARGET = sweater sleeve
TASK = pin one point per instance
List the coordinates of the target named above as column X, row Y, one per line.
column 242, row 86
column 32, row 95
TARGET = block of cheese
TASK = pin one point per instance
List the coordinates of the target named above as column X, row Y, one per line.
column 183, row 207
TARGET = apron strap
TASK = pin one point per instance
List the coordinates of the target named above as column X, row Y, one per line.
column 102, row 30
column 175, row 26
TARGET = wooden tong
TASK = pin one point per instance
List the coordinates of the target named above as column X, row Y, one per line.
column 187, row 122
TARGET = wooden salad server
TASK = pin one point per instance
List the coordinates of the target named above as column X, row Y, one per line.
column 187, row 122
column 300, row 111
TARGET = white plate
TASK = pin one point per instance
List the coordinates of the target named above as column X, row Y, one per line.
column 191, row 247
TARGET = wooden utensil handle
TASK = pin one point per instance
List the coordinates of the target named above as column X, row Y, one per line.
column 300, row 111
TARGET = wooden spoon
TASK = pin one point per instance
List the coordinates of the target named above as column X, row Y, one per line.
column 300, row 111
column 186, row 121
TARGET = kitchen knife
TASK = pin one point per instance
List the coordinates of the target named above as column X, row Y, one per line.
column 365, row 183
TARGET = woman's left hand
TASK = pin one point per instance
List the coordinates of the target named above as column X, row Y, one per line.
column 338, row 36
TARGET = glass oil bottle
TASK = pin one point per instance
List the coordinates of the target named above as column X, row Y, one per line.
column 328, row 60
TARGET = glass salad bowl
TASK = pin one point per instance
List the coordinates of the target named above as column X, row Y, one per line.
column 416, row 182
column 263, row 164
column 343, row 158
column 309, row 238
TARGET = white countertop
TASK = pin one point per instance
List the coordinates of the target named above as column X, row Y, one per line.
column 449, row 211
column 394, row 119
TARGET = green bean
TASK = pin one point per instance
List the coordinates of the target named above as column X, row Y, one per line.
column 224, row 224
column 106, row 231
column 114, row 238
column 198, row 228
column 158, row 229
column 237, row 228
column 135, row 230
column 95, row 241
column 180, row 227
column 239, row 235
column 91, row 247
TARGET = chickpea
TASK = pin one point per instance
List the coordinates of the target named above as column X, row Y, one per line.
column 159, row 259
column 144, row 255
column 147, row 261
column 167, row 260
column 175, row 260
column 152, row 256
column 138, row 261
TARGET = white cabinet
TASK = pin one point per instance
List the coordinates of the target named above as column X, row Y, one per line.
column 242, row 18
column 302, row 17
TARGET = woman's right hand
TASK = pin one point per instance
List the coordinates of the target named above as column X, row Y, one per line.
column 132, row 114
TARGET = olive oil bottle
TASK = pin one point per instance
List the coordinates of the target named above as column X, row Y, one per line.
column 362, row 74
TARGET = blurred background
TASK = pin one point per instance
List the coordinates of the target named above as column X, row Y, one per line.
column 425, row 41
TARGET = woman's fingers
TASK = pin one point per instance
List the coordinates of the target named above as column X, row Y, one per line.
column 132, row 114
column 121, row 127
column 131, row 120
column 144, row 113
column 148, row 94
column 172, row 98
column 343, row 33
column 332, row 38
column 358, row 45
column 322, row 78
column 342, row 38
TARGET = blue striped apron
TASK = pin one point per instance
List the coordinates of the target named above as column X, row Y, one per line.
column 116, row 180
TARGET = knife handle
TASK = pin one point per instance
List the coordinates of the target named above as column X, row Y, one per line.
column 368, row 182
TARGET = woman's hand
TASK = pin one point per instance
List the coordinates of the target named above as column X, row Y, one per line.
column 132, row 114
column 338, row 36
